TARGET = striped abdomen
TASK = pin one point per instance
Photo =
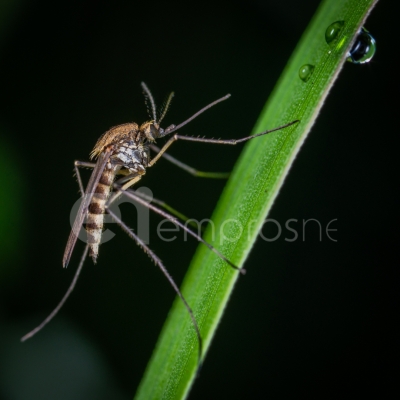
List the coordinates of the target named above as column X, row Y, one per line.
column 95, row 220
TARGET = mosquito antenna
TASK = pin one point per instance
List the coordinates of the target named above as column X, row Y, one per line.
column 148, row 96
column 173, row 128
column 135, row 197
column 165, row 107
column 164, row 270
column 63, row 300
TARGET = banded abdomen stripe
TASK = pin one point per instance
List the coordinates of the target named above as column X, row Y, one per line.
column 95, row 221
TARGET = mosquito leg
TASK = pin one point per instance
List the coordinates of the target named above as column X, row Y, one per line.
column 161, row 203
column 84, row 164
column 128, row 182
column 167, row 207
column 176, row 137
column 233, row 141
column 189, row 169
column 81, row 164
column 134, row 196
column 160, row 265
column 63, row 300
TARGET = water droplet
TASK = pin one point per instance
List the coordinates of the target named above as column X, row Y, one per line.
column 333, row 30
column 306, row 71
column 363, row 48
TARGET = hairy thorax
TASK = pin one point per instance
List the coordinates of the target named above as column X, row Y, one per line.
column 128, row 148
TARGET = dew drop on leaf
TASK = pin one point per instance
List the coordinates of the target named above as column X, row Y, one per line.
column 306, row 71
column 333, row 30
column 363, row 48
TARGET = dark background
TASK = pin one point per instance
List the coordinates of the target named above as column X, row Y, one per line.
column 311, row 317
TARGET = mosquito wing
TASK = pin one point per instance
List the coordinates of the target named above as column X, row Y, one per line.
column 80, row 216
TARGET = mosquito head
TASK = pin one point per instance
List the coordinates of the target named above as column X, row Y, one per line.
column 151, row 130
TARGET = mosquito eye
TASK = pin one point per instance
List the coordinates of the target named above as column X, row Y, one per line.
column 154, row 132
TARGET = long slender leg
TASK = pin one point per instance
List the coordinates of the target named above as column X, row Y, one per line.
column 128, row 182
column 160, row 265
column 85, row 164
column 167, row 207
column 131, row 180
column 137, row 198
column 81, row 164
column 63, row 300
column 189, row 169
column 176, row 137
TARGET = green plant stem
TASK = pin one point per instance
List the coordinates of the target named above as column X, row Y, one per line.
column 248, row 196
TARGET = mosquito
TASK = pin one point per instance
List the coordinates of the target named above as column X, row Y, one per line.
column 123, row 155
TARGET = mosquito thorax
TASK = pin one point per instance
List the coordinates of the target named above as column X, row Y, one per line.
column 132, row 155
column 114, row 136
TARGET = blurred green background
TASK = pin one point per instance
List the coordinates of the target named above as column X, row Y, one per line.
column 311, row 317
